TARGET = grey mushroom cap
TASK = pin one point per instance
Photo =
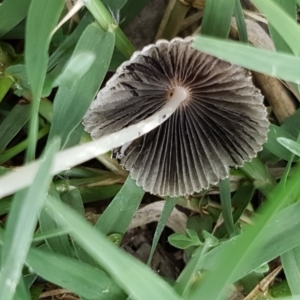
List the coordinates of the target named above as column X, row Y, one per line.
column 221, row 124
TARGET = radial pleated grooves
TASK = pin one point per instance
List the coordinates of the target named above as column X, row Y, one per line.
column 221, row 124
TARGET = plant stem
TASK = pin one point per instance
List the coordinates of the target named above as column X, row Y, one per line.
column 33, row 129
column 172, row 20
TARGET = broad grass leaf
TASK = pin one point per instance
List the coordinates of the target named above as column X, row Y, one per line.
column 20, row 228
column 217, row 18
column 80, row 278
column 12, row 124
column 226, row 206
column 59, row 244
column 118, row 215
column 276, row 240
column 246, row 246
column 240, row 22
column 41, row 20
column 64, row 51
column 12, row 12
column 282, row 22
column 137, row 280
column 291, row 266
column 290, row 8
column 72, row 102
column 165, row 214
column 274, row 64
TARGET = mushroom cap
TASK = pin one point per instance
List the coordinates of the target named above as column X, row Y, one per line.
column 221, row 123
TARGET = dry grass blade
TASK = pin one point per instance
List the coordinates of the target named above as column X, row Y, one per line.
column 71, row 14
column 263, row 286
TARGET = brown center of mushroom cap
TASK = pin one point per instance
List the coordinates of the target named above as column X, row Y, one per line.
column 185, row 91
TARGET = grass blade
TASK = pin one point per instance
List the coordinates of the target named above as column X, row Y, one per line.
column 13, row 151
column 226, row 206
column 286, row 26
column 240, row 22
column 217, row 18
column 42, row 18
column 12, row 124
column 118, row 215
column 284, row 66
column 165, row 214
column 273, row 144
column 276, row 236
column 65, row 49
column 20, row 228
column 78, row 96
column 76, row 276
column 291, row 266
column 290, row 8
column 137, row 280
column 11, row 13
column 246, row 246
column 291, row 145
column 240, row 200
column 59, row 244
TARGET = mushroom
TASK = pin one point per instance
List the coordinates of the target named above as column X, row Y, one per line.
column 220, row 122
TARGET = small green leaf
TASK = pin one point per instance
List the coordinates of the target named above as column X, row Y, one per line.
column 211, row 240
column 192, row 234
column 181, row 241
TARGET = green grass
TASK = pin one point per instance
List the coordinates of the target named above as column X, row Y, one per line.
column 47, row 82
